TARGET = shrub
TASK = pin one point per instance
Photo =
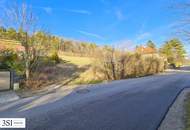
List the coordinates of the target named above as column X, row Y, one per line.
column 153, row 64
column 55, row 57
column 119, row 65
column 111, row 63
column 10, row 60
column 38, row 79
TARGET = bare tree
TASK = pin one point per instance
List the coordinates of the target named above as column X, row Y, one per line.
column 182, row 26
column 24, row 20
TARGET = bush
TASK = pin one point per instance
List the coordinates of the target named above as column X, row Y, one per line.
column 119, row 65
column 39, row 79
column 153, row 64
column 10, row 60
column 55, row 57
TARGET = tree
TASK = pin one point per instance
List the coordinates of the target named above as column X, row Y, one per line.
column 182, row 27
column 24, row 20
column 173, row 50
column 11, row 33
column 151, row 44
column 2, row 32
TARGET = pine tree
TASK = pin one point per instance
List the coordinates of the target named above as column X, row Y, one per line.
column 174, row 51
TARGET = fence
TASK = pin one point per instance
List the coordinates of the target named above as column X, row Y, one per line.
column 6, row 80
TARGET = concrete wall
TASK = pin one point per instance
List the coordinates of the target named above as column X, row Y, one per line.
column 4, row 80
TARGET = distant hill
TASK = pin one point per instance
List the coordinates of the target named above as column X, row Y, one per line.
column 10, row 45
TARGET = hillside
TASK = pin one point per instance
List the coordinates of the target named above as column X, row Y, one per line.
column 10, row 45
column 72, row 69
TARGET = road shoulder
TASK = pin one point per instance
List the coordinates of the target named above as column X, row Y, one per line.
column 174, row 120
column 8, row 96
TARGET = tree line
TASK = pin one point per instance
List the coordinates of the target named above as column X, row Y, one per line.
column 173, row 50
column 114, row 63
column 52, row 42
column 42, row 43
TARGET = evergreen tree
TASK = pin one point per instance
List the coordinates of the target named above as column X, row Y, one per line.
column 173, row 50
column 151, row 44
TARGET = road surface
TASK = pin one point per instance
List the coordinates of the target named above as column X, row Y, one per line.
column 133, row 104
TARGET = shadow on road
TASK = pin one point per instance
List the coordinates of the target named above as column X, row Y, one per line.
column 187, row 68
column 127, row 97
column 183, row 69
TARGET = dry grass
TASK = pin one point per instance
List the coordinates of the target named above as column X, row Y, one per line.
column 89, row 77
column 83, row 77
column 82, row 70
column 76, row 60
column 10, row 44
column 71, row 70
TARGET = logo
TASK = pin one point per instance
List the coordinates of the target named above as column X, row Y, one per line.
column 12, row 123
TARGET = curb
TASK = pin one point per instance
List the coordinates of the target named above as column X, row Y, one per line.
column 173, row 101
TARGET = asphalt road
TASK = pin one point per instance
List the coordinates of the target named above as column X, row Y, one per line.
column 133, row 104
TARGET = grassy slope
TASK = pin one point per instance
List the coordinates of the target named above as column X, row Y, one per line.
column 85, row 77
column 77, row 60
column 9, row 43
column 75, row 63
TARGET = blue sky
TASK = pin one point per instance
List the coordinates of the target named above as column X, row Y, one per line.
column 128, row 22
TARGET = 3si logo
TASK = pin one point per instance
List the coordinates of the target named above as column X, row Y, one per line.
column 7, row 123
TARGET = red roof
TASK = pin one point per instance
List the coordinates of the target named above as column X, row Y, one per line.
column 145, row 50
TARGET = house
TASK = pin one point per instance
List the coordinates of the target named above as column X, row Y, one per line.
column 145, row 50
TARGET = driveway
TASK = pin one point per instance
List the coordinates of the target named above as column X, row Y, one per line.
column 133, row 104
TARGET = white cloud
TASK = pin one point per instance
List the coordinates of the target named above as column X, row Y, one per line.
column 48, row 10
column 78, row 11
column 143, row 36
column 124, row 45
column 91, row 34
column 119, row 15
